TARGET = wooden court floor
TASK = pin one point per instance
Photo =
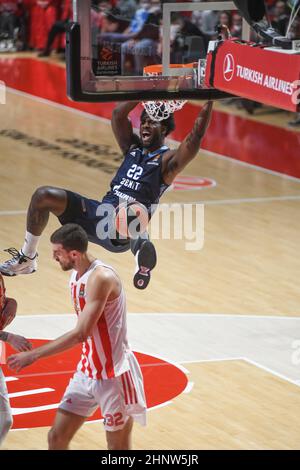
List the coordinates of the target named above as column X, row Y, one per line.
column 248, row 266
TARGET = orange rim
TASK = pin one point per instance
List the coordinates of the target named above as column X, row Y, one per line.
column 157, row 68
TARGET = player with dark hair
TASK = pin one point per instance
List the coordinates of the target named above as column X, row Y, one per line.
column 108, row 374
column 8, row 309
column 148, row 169
column 71, row 237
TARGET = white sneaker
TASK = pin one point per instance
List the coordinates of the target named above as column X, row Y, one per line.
column 18, row 264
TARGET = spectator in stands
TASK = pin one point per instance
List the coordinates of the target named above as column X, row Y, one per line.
column 139, row 40
column 224, row 25
column 127, row 8
column 206, row 21
column 182, row 50
column 43, row 15
column 141, row 48
column 294, row 32
column 140, row 17
column 8, row 22
column 59, row 27
column 112, row 22
column 13, row 25
column 225, row 19
column 209, row 24
column 237, row 25
column 134, row 26
column 281, row 17
column 99, row 11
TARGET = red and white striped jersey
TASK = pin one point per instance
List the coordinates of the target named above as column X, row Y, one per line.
column 105, row 353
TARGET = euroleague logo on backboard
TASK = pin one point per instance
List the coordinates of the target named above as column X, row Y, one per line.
column 35, row 392
column 228, row 67
column 106, row 54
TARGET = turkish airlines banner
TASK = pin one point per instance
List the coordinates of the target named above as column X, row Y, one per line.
column 262, row 75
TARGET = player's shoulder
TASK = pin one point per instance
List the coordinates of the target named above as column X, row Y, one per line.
column 103, row 275
column 104, row 281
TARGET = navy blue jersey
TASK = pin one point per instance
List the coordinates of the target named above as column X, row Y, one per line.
column 139, row 178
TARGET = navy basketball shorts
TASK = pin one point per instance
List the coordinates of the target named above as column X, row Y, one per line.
column 83, row 211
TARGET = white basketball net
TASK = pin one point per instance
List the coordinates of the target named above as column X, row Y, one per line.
column 160, row 110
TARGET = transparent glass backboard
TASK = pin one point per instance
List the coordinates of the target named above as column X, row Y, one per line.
column 147, row 49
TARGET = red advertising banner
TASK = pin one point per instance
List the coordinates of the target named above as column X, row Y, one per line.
column 265, row 75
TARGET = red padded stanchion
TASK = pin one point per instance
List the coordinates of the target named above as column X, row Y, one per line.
column 268, row 76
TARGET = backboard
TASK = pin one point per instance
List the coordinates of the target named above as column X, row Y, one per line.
column 110, row 47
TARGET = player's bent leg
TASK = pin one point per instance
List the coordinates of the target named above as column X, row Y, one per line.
column 44, row 201
column 65, row 426
column 121, row 439
column 132, row 220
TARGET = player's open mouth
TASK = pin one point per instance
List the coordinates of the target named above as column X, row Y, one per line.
column 146, row 135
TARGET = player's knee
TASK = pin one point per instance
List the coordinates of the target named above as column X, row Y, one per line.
column 44, row 197
column 41, row 196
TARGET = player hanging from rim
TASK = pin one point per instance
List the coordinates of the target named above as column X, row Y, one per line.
column 148, row 169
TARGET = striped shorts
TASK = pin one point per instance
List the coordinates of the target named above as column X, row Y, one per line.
column 118, row 398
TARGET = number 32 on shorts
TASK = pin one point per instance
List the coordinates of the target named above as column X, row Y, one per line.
column 113, row 420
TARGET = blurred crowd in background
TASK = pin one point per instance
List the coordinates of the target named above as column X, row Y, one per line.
column 136, row 26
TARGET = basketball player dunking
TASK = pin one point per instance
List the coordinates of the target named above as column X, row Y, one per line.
column 108, row 375
column 148, row 168
column 8, row 309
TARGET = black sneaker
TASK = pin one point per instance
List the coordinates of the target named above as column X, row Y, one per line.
column 146, row 261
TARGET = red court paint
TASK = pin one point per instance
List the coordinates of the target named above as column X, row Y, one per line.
column 163, row 382
column 192, row 183
column 267, row 146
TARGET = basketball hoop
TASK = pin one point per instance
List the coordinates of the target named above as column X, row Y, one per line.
column 161, row 110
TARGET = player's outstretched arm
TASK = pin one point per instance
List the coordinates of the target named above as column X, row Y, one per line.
column 121, row 125
column 99, row 288
column 19, row 343
column 175, row 162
